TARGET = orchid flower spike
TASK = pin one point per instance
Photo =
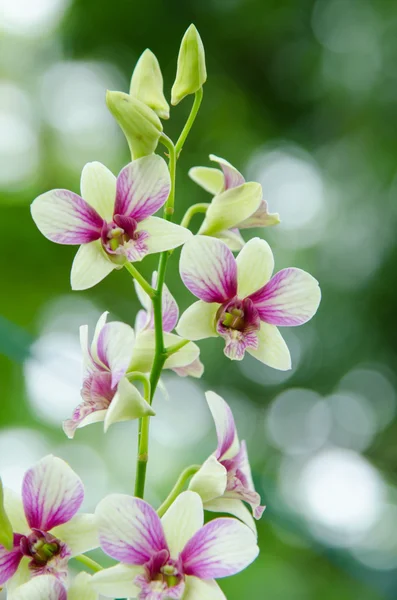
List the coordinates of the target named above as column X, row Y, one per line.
column 144, row 327
column 107, row 393
column 241, row 302
column 112, row 220
column 236, row 204
column 175, row 557
column 47, row 531
column 224, row 482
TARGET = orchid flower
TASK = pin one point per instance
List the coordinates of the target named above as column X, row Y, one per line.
column 145, row 323
column 107, row 393
column 236, row 204
column 172, row 558
column 112, row 219
column 47, row 531
column 46, row 587
column 239, row 300
column 224, row 481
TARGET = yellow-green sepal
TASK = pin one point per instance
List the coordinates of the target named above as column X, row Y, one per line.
column 147, row 84
column 191, row 71
column 140, row 124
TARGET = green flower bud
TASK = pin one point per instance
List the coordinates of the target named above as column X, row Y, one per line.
column 6, row 533
column 191, row 73
column 147, row 84
column 140, row 124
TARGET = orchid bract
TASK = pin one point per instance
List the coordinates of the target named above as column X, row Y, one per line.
column 177, row 551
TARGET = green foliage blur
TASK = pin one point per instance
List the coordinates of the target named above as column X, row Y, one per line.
column 301, row 96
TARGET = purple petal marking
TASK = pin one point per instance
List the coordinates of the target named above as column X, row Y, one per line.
column 260, row 218
column 65, row 218
column 97, row 394
column 208, row 269
column 221, row 548
column 52, row 493
column 143, row 187
column 130, row 530
column 290, row 298
column 242, row 333
column 135, row 250
column 170, row 310
column 9, row 560
column 41, row 587
column 233, row 177
column 224, row 423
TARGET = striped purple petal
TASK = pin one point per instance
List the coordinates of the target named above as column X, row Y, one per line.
column 114, row 348
column 221, row 548
column 143, row 187
column 130, row 530
column 9, row 560
column 65, row 218
column 233, row 177
column 208, row 269
column 52, row 493
column 290, row 298
column 224, row 423
column 43, row 587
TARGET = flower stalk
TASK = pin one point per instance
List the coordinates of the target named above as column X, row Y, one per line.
column 178, row 488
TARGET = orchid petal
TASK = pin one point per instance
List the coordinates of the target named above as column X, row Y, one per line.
column 232, row 238
column 198, row 321
column 182, row 520
column 232, row 177
column 233, row 507
column 80, row 534
column 194, row 369
column 90, row 266
column 97, row 332
column 65, row 218
column 9, row 561
column 98, row 188
column 210, row 481
column 130, row 530
column 43, row 587
column 228, row 444
column 143, row 353
column 260, row 218
column 255, row 264
column 208, row 269
column 183, row 357
column 70, row 425
column 52, row 493
column 221, row 548
column 162, row 235
column 117, row 581
column 212, row 180
column 143, row 187
column 127, row 404
column 142, row 320
column 21, row 576
column 290, row 298
column 199, row 589
column 272, row 349
column 82, row 589
column 169, row 306
column 15, row 512
column 143, row 297
column 230, row 207
column 114, row 348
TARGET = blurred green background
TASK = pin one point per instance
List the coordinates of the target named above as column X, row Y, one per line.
column 301, row 96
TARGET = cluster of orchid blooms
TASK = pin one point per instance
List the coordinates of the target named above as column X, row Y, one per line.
column 169, row 553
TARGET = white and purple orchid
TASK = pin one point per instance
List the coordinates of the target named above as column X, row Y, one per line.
column 46, row 587
column 224, row 482
column 107, row 393
column 112, row 219
column 236, row 204
column 144, row 327
column 172, row 558
column 241, row 302
column 47, row 530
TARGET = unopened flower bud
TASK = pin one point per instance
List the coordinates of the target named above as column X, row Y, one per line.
column 6, row 533
column 147, row 84
column 140, row 124
column 191, row 71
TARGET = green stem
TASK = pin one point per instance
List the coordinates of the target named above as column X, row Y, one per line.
column 140, row 279
column 138, row 376
column 193, row 210
column 88, row 562
column 169, row 205
column 198, row 96
column 143, row 457
column 178, row 488
column 175, row 347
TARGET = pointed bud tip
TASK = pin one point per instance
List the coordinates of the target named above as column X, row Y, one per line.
column 191, row 70
column 147, row 84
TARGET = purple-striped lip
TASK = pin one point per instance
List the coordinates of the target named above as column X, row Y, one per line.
column 41, row 547
column 163, row 578
column 238, row 321
column 116, row 234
